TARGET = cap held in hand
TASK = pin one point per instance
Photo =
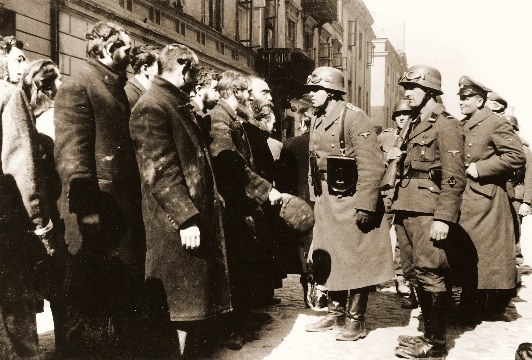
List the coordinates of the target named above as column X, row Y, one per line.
column 297, row 214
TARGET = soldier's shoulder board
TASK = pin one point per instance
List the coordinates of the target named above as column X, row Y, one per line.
column 387, row 130
column 447, row 115
column 351, row 107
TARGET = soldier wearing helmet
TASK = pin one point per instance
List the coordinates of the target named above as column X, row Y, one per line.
column 492, row 152
column 496, row 103
column 426, row 205
column 348, row 207
column 401, row 114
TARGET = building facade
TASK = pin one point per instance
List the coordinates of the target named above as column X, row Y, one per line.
column 389, row 65
column 280, row 40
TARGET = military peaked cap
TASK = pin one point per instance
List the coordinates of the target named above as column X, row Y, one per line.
column 469, row 87
column 493, row 96
column 297, row 214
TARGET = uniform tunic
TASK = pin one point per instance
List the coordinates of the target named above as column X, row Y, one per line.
column 435, row 142
column 493, row 146
column 359, row 258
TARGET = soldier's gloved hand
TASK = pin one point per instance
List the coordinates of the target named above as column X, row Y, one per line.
column 393, row 154
column 472, row 170
column 439, row 230
column 524, row 209
column 364, row 217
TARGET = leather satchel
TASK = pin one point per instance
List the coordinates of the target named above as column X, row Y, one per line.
column 342, row 172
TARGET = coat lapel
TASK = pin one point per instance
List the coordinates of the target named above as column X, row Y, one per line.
column 480, row 116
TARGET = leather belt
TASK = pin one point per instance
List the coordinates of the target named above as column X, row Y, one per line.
column 412, row 174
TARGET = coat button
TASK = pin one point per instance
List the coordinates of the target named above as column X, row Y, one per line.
column 474, row 134
column 336, row 121
column 470, row 144
column 431, row 188
column 468, row 155
column 332, row 145
column 466, row 164
column 422, row 152
column 423, row 142
column 332, row 134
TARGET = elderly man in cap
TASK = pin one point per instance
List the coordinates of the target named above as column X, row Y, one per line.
column 496, row 103
column 493, row 151
column 426, row 206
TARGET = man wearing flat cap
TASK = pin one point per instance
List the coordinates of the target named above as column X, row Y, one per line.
column 496, row 103
column 492, row 153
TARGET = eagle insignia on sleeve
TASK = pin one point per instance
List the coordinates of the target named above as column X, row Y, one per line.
column 364, row 134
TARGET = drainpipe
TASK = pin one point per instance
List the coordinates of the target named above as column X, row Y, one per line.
column 54, row 30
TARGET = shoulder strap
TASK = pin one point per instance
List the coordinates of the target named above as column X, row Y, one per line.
column 341, row 132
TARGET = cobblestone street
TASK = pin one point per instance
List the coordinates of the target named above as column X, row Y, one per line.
column 286, row 338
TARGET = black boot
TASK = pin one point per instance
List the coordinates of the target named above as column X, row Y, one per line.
column 336, row 301
column 433, row 343
column 425, row 301
column 355, row 327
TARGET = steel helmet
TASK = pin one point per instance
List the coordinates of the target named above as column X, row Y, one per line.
column 423, row 75
column 328, row 78
column 402, row 105
column 513, row 121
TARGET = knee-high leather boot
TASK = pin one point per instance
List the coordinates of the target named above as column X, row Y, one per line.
column 425, row 302
column 355, row 327
column 336, row 301
column 433, row 343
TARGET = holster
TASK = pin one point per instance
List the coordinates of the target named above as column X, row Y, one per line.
column 315, row 177
column 341, row 175
column 436, row 176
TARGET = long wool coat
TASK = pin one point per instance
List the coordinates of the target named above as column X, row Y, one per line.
column 178, row 188
column 359, row 256
column 96, row 160
column 493, row 146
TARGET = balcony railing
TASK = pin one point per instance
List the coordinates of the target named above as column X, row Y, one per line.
column 285, row 63
column 321, row 10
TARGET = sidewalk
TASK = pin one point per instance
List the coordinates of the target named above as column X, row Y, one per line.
column 286, row 339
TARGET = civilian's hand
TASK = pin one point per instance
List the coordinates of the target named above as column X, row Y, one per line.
column 275, row 197
column 190, row 237
column 439, row 230
column 524, row 209
column 472, row 170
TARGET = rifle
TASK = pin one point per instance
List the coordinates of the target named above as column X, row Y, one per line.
column 389, row 179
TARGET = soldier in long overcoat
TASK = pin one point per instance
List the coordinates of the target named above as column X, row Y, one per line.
column 101, row 200
column 492, row 153
column 179, row 194
column 350, row 229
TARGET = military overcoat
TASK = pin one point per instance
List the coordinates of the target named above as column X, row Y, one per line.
column 493, row 146
column 178, row 188
column 354, row 252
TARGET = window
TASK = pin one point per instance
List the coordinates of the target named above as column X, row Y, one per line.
column 245, row 23
column 359, row 97
column 180, row 27
column 216, row 14
column 151, row 13
column 220, row 47
column 158, row 17
column 360, row 46
column 128, row 4
column 201, row 37
column 290, row 33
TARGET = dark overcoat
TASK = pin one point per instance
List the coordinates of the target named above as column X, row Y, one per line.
column 22, row 208
column 243, row 191
column 354, row 251
column 96, row 160
column 493, row 146
column 134, row 91
column 178, row 188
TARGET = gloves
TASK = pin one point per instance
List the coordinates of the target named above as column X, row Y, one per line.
column 364, row 217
